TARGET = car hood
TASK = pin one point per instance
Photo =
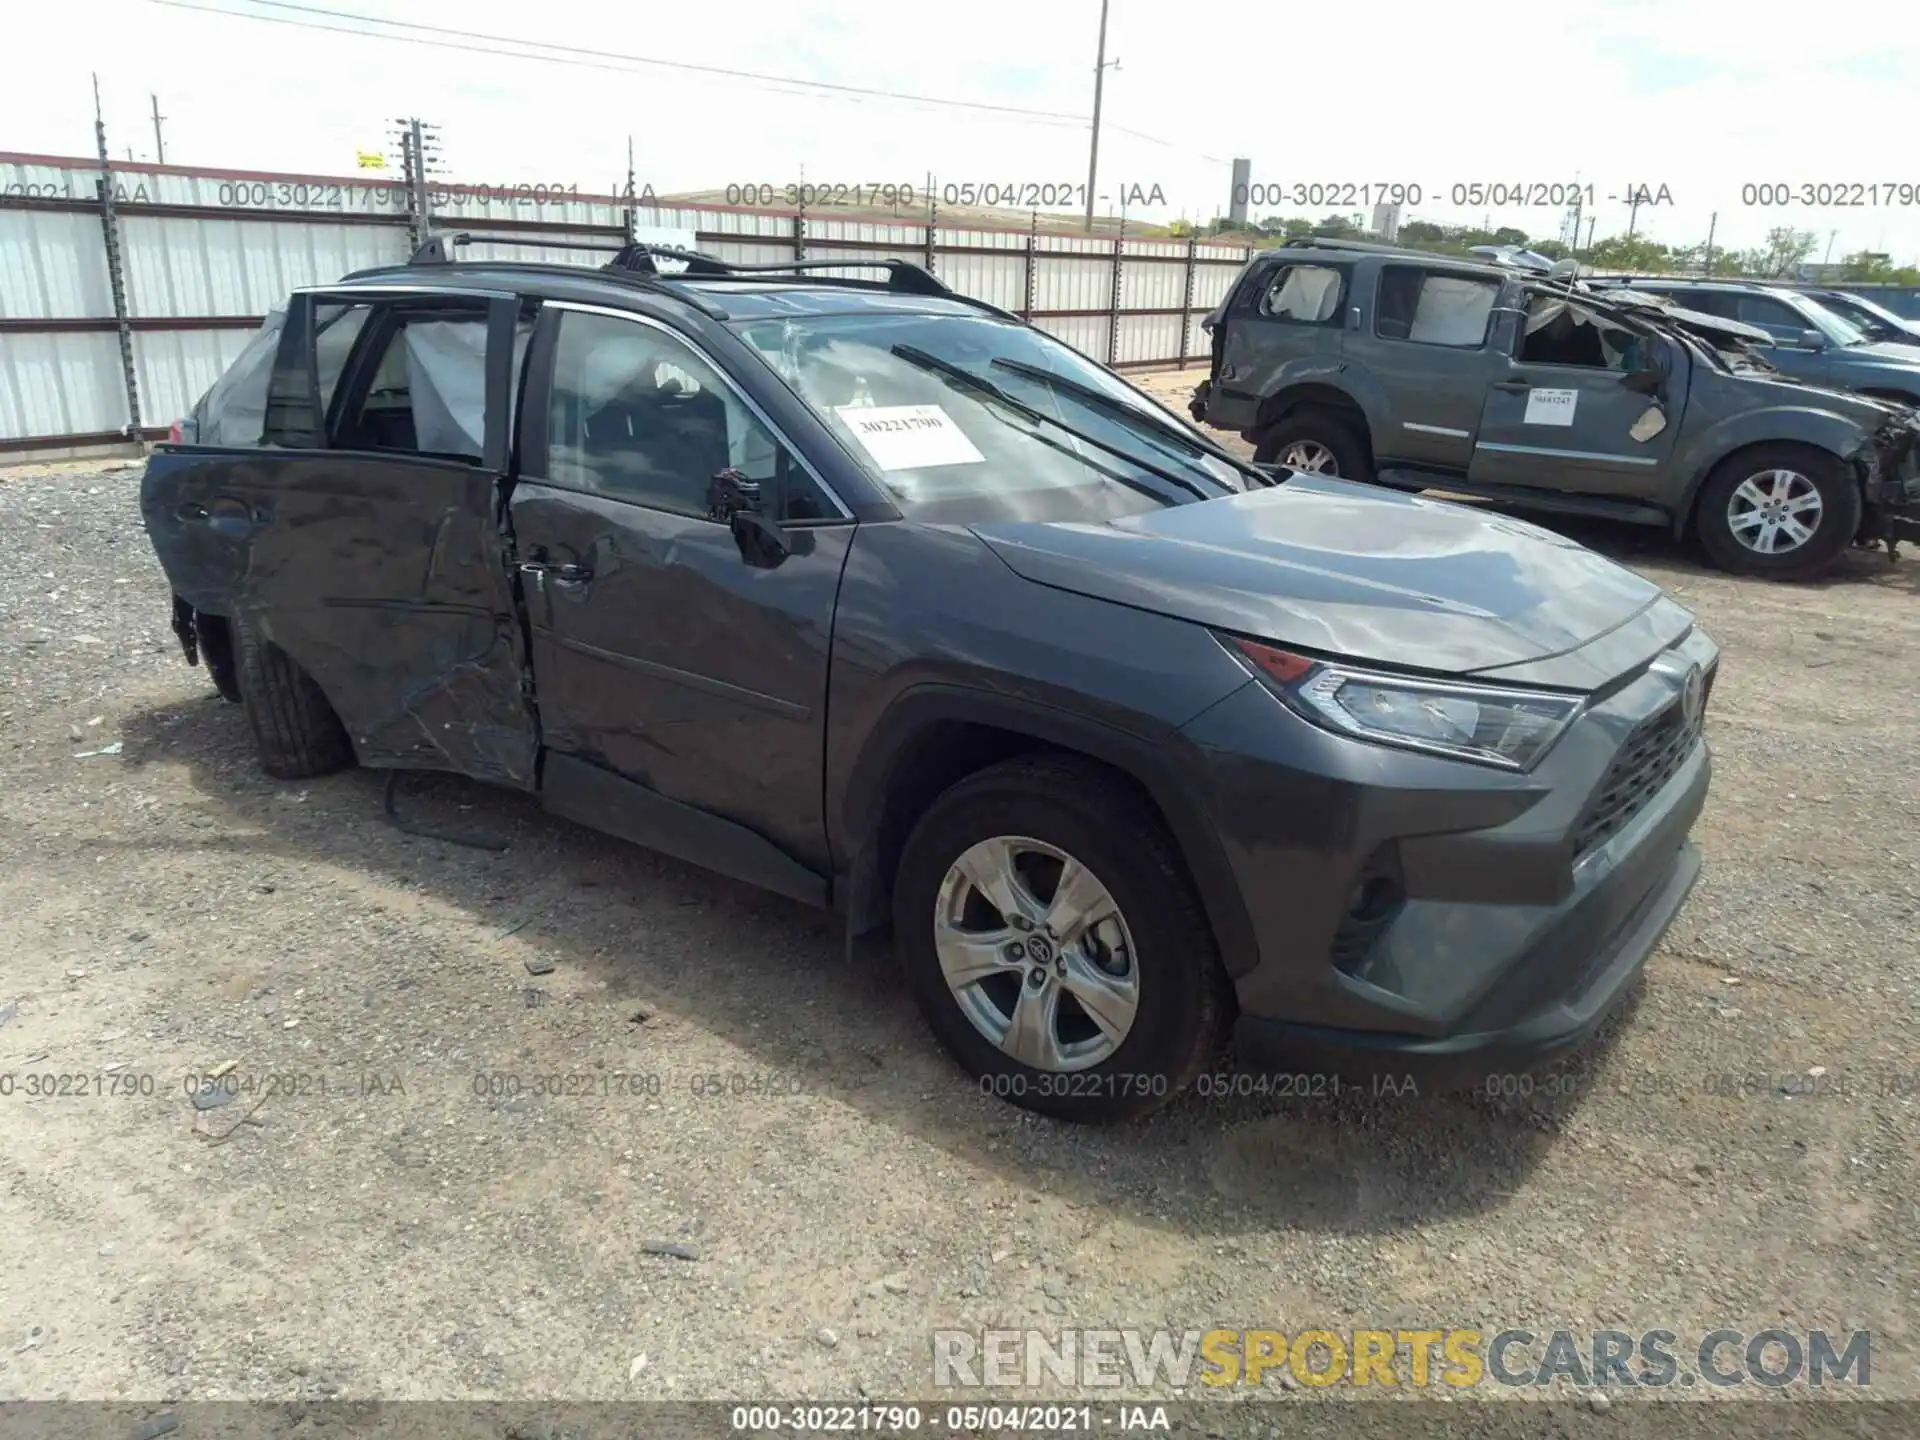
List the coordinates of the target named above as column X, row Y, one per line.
column 1344, row 569
column 1884, row 352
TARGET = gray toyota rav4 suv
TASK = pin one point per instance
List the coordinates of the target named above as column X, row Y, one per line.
column 876, row 597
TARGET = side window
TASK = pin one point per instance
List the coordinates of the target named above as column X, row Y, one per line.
column 1562, row 334
column 635, row 414
column 234, row 411
column 335, row 328
column 1776, row 317
column 423, row 393
column 1433, row 308
column 1707, row 302
column 1304, row 294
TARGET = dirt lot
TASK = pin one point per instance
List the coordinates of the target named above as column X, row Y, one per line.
column 387, row 1209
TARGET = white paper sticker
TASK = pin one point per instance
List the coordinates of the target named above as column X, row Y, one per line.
column 909, row 437
column 1551, row 407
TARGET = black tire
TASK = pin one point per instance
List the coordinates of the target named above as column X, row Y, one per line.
column 216, row 651
column 1839, row 520
column 294, row 728
column 1327, row 428
column 1185, row 1000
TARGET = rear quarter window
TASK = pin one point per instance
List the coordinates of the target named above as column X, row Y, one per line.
column 234, row 411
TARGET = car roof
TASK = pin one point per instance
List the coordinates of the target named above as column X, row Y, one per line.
column 720, row 297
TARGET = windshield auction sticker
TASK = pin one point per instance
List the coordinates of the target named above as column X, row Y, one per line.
column 909, row 437
column 1551, row 407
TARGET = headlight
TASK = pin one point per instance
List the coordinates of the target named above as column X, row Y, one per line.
column 1487, row 724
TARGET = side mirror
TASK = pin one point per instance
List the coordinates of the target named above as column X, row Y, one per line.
column 730, row 493
column 1644, row 382
column 734, row 501
column 1812, row 340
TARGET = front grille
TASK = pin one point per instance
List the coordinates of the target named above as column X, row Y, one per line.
column 1653, row 755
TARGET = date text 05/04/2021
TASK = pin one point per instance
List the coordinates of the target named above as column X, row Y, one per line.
column 993, row 194
column 1341, row 194
column 876, row 1417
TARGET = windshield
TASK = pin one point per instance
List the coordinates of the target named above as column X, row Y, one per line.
column 1828, row 323
column 1876, row 320
column 913, row 396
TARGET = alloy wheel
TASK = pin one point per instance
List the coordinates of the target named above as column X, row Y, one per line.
column 1774, row 512
column 1310, row 456
column 1036, row 953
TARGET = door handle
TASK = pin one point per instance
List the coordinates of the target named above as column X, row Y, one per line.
column 541, row 570
column 1513, row 387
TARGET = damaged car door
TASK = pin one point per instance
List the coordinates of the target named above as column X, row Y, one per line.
column 680, row 564
column 1598, row 402
column 360, row 535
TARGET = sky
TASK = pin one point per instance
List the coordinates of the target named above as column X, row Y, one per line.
column 1696, row 100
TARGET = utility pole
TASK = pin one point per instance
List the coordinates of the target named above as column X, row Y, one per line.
column 159, row 145
column 1099, row 79
column 1831, row 234
column 1633, row 212
column 1712, row 224
column 1592, row 220
column 631, row 201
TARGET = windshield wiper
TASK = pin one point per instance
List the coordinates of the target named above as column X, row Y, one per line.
column 966, row 379
column 1121, row 410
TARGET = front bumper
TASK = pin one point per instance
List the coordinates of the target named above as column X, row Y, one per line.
column 1519, row 907
column 1458, row 1062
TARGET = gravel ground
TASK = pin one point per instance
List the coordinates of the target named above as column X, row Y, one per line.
column 771, row 1183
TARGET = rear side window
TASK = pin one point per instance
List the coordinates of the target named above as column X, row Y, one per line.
column 1304, row 294
column 1433, row 308
column 420, row 390
column 234, row 411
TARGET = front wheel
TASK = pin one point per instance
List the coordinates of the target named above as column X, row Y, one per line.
column 1053, row 940
column 1780, row 511
column 1317, row 441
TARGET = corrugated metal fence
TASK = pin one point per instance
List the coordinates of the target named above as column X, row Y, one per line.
column 202, row 255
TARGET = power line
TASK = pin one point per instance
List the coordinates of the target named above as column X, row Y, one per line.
column 589, row 59
column 599, row 60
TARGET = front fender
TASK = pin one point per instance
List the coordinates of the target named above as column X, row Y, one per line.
column 1805, row 424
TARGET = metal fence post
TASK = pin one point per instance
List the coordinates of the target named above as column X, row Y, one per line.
column 1186, row 303
column 1113, row 304
column 116, row 272
column 933, row 220
column 1033, row 231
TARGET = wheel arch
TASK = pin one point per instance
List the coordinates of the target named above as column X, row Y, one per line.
column 1815, row 430
column 1312, row 394
column 932, row 736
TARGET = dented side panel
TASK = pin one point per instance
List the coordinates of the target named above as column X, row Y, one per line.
column 383, row 577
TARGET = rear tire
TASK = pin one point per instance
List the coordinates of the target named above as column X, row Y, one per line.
column 1753, row 503
column 1322, row 442
column 295, row 730
column 1156, row 941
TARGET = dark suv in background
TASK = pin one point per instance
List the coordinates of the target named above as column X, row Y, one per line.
column 881, row 599
column 1806, row 339
column 1428, row 372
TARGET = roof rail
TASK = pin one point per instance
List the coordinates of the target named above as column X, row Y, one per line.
column 1376, row 247
column 438, row 249
column 902, row 275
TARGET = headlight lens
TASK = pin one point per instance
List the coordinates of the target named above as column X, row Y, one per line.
column 1487, row 724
